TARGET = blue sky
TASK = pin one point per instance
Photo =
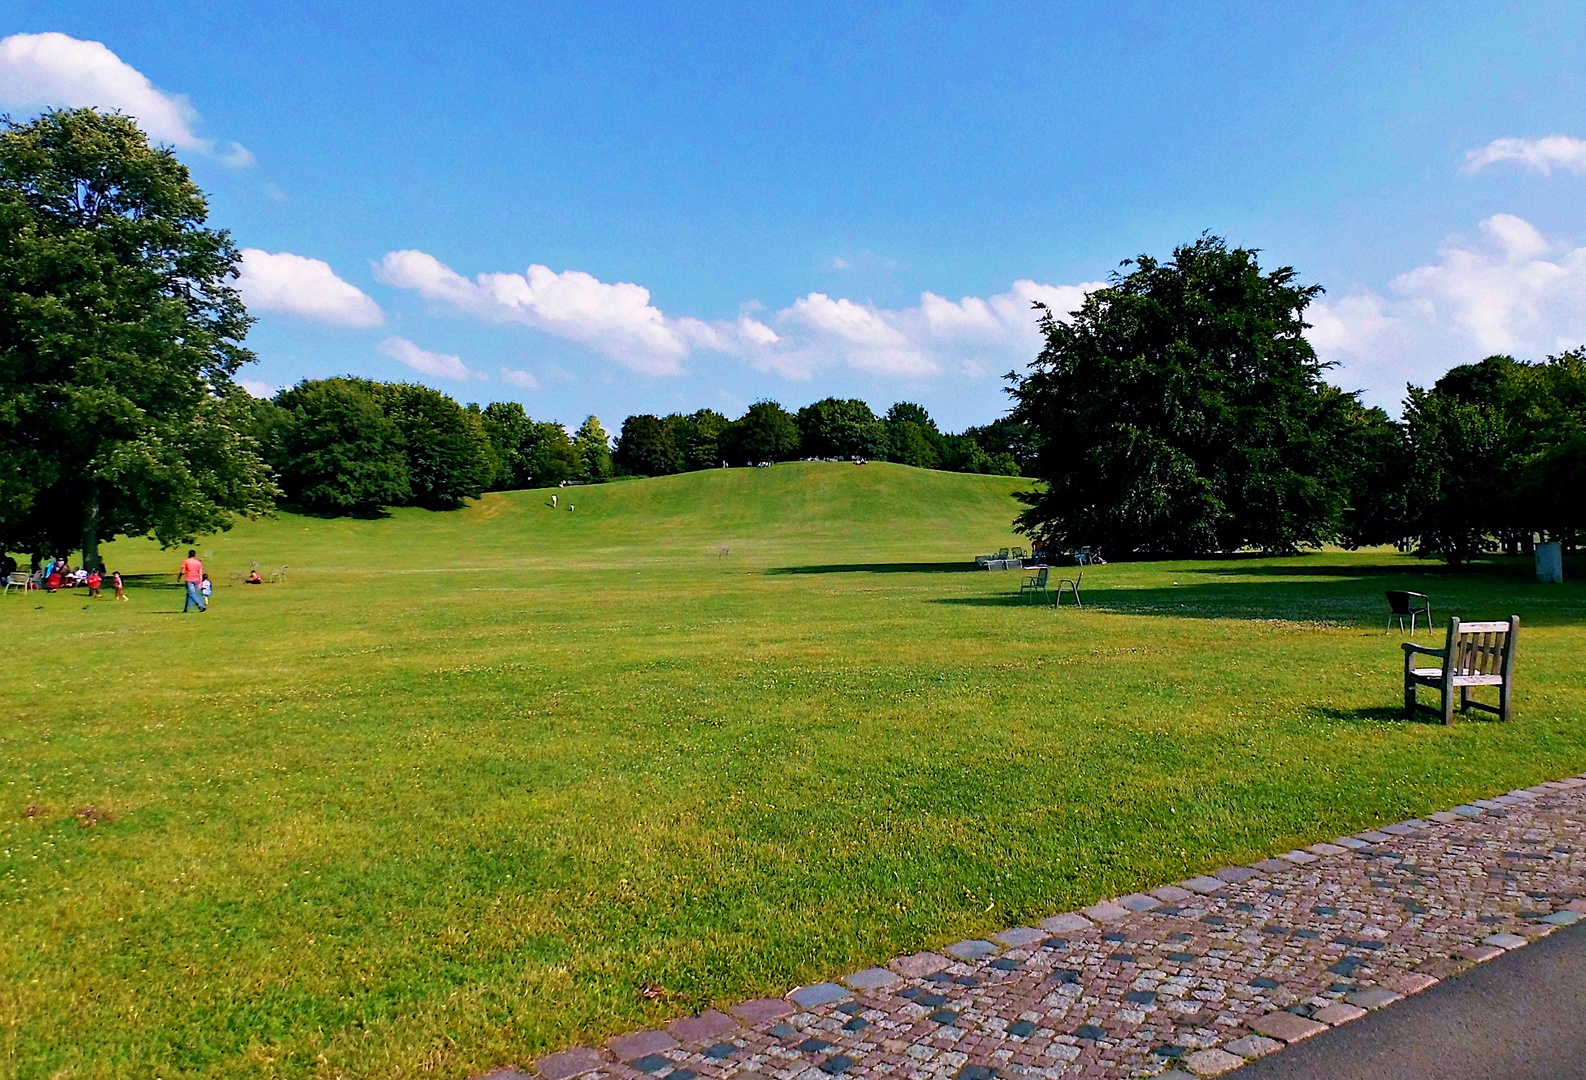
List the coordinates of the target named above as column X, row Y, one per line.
column 729, row 202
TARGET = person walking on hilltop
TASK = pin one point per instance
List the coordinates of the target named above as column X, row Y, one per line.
column 192, row 574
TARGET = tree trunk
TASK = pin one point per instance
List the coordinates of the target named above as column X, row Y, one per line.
column 91, row 532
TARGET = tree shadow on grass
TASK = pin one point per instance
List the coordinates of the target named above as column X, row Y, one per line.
column 881, row 568
column 1357, row 603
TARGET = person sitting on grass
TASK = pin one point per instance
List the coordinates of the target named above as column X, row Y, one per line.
column 53, row 581
column 254, row 578
column 93, row 582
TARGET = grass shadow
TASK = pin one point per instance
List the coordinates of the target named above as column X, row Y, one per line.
column 1394, row 714
column 881, row 568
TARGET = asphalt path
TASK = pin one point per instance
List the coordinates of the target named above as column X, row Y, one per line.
column 1521, row 1016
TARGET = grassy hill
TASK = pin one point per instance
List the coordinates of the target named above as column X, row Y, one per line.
column 453, row 794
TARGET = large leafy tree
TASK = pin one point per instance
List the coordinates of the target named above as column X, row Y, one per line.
column 120, row 334
column 593, row 449
column 765, row 432
column 697, row 436
column 449, row 457
column 841, row 427
column 1181, row 410
column 335, row 449
column 646, row 447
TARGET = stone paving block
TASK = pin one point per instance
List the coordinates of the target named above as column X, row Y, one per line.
column 1445, row 817
column 1487, row 804
column 1564, row 918
column 1573, row 781
column 1201, row 884
column 871, row 979
column 1285, row 1026
column 1067, row 923
column 1273, row 866
column 1374, row 837
column 1254, row 1046
column 636, row 1044
column 1105, row 912
column 1139, row 902
column 974, row 949
column 1480, row 954
column 824, row 993
column 1504, row 941
column 1172, row 894
column 1410, row 982
column 1372, row 997
column 1339, row 1013
column 1397, row 829
column 918, row 965
column 1234, row 875
column 1212, row 1062
column 1326, row 849
column 1468, row 811
column 707, row 1025
column 1521, row 794
column 1019, row 936
column 1351, row 843
column 1576, row 905
column 569, row 1063
column 759, row 1010
column 1301, row 857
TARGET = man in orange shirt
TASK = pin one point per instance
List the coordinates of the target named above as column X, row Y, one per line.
column 193, row 574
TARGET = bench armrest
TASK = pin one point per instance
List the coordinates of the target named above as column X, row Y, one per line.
column 1410, row 648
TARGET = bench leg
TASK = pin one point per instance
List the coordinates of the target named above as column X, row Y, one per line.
column 1448, row 704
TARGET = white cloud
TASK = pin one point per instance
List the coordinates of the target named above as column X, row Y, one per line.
column 1539, row 155
column 238, row 157
column 617, row 320
column 55, row 70
column 257, row 389
column 523, row 380
column 971, row 336
column 307, row 288
column 1510, row 290
column 436, row 365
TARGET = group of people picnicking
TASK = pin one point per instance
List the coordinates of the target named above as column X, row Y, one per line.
column 57, row 573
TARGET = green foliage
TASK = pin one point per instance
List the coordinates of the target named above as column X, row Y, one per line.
column 335, row 449
column 646, row 447
column 448, row 455
column 1498, row 454
column 593, row 448
column 766, row 432
column 120, row 333
column 1182, row 411
column 912, row 436
column 843, row 428
column 697, row 437
column 512, row 438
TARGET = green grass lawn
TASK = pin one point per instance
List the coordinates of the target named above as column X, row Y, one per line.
column 457, row 791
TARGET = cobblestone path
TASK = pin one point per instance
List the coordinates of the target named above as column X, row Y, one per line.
column 1193, row 979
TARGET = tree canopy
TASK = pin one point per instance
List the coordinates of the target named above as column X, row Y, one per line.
column 120, row 334
column 1181, row 410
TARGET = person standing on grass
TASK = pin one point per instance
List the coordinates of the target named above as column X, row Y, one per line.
column 121, row 590
column 192, row 573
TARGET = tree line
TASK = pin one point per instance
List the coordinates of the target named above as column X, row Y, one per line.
column 1182, row 411
column 354, row 446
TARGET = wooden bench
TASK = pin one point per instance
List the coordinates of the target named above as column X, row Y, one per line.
column 1477, row 654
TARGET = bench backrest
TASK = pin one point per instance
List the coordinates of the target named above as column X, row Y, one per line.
column 1482, row 648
